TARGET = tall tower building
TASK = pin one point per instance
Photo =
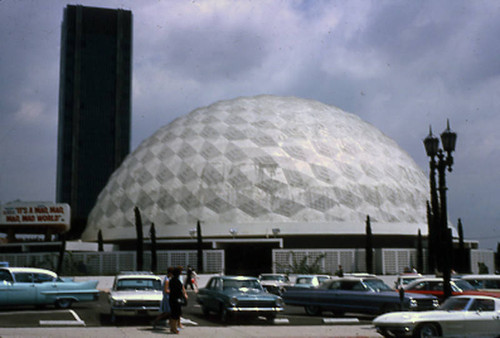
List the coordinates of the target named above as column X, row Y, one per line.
column 94, row 105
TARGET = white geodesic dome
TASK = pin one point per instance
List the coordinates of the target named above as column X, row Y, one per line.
column 257, row 163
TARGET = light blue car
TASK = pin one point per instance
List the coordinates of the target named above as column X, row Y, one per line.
column 39, row 287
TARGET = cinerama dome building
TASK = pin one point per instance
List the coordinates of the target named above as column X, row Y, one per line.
column 244, row 167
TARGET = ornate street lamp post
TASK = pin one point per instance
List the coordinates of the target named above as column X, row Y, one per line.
column 439, row 231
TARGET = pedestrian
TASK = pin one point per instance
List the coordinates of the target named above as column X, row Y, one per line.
column 178, row 297
column 190, row 278
column 340, row 272
column 165, row 305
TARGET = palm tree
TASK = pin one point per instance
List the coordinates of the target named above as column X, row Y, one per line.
column 138, row 228
column 152, row 235
column 369, row 246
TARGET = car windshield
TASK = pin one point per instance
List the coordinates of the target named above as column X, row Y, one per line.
column 463, row 285
column 242, row 285
column 273, row 277
column 454, row 304
column 138, row 284
column 304, row 280
column 376, row 285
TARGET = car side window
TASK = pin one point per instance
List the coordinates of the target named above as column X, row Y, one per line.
column 437, row 286
column 23, row 277
column 5, row 276
column 346, row 285
column 211, row 284
column 358, row 287
column 42, row 278
column 420, row 286
column 483, row 305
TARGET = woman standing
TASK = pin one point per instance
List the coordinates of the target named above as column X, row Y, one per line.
column 165, row 305
column 177, row 297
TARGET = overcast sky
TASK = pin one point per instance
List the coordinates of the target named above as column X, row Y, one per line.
column 399, row 65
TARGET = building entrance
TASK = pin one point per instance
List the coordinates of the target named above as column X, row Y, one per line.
column 248, row 259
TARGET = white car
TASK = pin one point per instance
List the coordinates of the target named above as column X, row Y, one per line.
column 135, row 294
column 458, row 316
column 275, row 282
column 483, row 282
column 310, row 281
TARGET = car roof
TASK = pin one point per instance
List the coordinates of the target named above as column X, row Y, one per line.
column 480, row 277
column 237, row 277
column 30, row 270
column 311, row 276
column 135, row 276
column 477, row 297
column 354, row 278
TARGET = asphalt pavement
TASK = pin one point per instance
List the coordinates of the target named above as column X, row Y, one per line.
column 193, row 331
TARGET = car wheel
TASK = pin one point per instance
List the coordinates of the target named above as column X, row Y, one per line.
column 205, row 310
column 113, row 317
column 312, row 310
column 63, row 303
column 427, row 330
column 224, row 314
column 271, row 317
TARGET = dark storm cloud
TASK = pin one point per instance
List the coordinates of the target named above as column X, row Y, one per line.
column 400, row 65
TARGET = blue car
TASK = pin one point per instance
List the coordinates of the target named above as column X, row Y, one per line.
column 39, row 287
column 238, row 295
column 368, row 295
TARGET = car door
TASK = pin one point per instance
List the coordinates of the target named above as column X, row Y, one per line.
column 210, row 294
column 24, row 291
column 6, row 287
column 47, row 288
column 482, row 319
column 334, row 298
column 352, row 296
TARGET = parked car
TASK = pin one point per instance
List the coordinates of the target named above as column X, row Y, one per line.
column 238, row 295
column 458, row 316
column 275, row 282
column 434, row 286
column 40, row 287
column 135, row 294
column 484, row 282
column 310, row 281
column 356, row 294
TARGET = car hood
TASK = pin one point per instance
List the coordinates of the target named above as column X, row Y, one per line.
column 137, row 295
column 407, row 295
column 251, row 294
column 411, row 316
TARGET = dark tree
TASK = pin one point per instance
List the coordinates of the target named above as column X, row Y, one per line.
column 60, row 259
column 431, row 240
column 369, row 246
column 138, row 228
column 461, row 248
column 152, row 235
column 199, row 245
column 100, row 242
column 420, row 253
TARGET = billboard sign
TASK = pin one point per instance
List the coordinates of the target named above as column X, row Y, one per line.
column 35, row 214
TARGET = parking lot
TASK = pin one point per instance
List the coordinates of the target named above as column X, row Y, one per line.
column 97, row 314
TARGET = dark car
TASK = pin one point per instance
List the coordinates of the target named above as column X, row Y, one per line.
column 355, row 294
column 238, row 295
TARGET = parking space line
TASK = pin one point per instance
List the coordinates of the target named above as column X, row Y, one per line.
column 76, row 322
column 340, row 320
